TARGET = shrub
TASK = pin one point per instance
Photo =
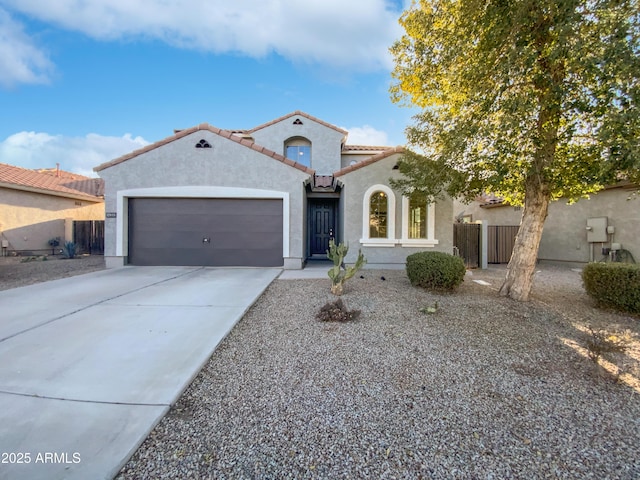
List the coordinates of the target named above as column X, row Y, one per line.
column 435, row 270
column 613, row 285
column 336, row 312
column 69, row 249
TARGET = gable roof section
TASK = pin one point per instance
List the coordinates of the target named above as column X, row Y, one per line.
column 369, row 161
column 298, row 113
column 52, row 182
column 229, row 135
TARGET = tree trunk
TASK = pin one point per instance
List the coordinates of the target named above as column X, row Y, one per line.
column 521, row 267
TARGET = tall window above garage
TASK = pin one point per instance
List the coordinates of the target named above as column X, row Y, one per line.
column 378, row 215
column 298, row 149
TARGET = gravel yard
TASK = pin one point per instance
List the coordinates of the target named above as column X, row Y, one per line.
column 485, row 387
column 22, row 271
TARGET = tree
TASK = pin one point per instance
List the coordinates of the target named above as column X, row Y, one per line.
column 531, row 100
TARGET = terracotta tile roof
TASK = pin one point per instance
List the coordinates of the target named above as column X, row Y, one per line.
column 298, row 113
column 51, row 181
column 490, row 200
column 369, row 161
column 228, row 134
column 365, row 148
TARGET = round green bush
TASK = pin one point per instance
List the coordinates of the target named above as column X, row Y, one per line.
column 435, row 270
column 613, row 285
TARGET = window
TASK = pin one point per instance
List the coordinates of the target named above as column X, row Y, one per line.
column 298, row 149
column 378, row 217
column 418, row 221
column 300, row 154
column 417, row 216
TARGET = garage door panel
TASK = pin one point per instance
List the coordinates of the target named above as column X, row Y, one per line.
column 170, row 231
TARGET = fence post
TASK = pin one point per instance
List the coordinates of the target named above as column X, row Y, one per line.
column 68, row 231
column 484, row 244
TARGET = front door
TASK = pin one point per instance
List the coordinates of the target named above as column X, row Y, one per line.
column 322, row 225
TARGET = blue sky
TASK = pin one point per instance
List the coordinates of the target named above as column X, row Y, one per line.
column 83, row 82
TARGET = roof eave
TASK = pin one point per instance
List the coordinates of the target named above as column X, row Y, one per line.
column 364, row 163
column 54, row 193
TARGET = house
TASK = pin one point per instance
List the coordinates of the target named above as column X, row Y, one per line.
column 576, row 233
column 273, row 195
column 39, row 205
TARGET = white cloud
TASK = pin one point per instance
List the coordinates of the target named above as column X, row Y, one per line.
column 366, row 135
column 74, row 154
column 20, row 60
column 354, row 34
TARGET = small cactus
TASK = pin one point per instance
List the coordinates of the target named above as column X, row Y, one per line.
column 339, row 273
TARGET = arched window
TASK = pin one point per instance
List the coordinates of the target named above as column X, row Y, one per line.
column 298, row 149
column 378, row 217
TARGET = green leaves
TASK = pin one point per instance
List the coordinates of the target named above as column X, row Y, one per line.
column 511, row 90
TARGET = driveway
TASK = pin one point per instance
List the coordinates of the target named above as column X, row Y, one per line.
column 90, row 364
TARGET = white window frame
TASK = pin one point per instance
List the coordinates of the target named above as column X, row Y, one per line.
column 299, row 142
column 391, row 240
column 430, row 241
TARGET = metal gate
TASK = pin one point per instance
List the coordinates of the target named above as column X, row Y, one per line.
column 88, row 235
column 466, row 239
column 500, row 242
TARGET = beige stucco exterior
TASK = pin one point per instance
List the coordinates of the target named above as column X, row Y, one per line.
column 28, row 220
column 226, row 170
column 564, row 237
column 250, row 164
column 393, row 252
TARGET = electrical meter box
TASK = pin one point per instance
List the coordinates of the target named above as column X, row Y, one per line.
column 597, row 230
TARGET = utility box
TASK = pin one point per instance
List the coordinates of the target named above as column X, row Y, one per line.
column 597, row 230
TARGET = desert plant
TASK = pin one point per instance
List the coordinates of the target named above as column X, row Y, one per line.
column 53, row 243
column 613, row 285
column 435, row 270
column 430, row 308
column 339, row 273
column 601, row 343
column 336, row 312
column 69, row 249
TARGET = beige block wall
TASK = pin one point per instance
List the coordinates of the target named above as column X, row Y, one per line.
column 28, row 220
column 564, row 238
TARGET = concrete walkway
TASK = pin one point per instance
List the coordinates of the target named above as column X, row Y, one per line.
column 90, row 364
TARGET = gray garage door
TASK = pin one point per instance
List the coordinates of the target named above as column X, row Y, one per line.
column 205, row 231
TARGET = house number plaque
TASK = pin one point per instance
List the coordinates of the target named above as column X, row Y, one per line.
column 110, row 214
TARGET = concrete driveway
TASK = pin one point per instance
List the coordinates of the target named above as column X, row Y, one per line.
column 90, row 364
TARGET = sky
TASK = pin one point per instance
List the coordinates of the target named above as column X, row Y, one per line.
column 85, row 81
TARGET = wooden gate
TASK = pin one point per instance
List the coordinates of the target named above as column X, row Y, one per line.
column 466, row 239
column 500, row 242
column 88, row 235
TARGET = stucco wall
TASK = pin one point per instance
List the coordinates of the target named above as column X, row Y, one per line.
column 356, row 184
column 325, row 142
column 564, row 236
column 29, row 220
column 226, row 164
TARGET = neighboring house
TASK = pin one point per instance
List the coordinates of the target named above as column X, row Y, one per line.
column 270, row 196
column 39, row 205
column 577, row 232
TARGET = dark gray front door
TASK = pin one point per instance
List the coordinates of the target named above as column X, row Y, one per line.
column 322, row 228
column 205, row 232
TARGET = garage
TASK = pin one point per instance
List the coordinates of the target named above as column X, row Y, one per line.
column 205, row 232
